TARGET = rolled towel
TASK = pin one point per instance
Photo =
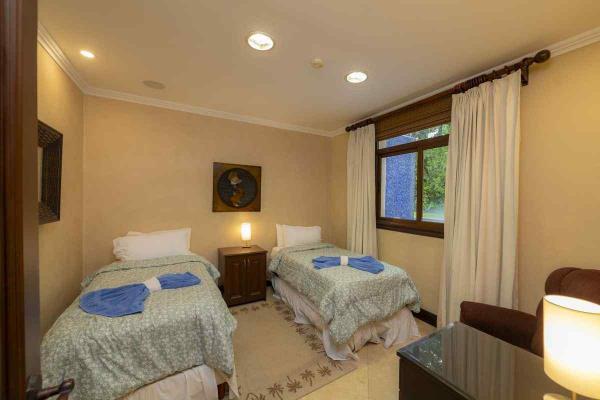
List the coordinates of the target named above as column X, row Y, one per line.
column 367, row 263
column 129, row 299
column 153, row 284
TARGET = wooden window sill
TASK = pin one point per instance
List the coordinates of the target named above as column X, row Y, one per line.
column 427, row 230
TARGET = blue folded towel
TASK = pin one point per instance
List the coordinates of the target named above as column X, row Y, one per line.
column 326, row 262
column 129, row 299
column 367, row 263
column 176, row 281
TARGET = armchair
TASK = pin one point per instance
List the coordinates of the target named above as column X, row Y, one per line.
column 526, row 330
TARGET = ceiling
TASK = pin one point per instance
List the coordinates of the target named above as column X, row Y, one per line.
column 198, row 49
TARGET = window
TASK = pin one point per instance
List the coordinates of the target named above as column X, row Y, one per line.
column 411, row 172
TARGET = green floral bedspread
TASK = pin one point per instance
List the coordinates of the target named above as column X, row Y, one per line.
column 179, row 329
column 346, row 298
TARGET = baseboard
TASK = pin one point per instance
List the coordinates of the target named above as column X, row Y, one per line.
column 427, row 317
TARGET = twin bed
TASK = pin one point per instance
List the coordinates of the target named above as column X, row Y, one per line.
column 183, row 335
column 349, row 306
column 180, row 347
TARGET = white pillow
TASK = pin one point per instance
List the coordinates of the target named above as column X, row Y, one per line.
column 297, row 235
column 143, row 246
column 279, row 228
column 274, row 251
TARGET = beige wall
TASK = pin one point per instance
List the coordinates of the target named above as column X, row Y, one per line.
column 560, row 170
column 148, row 168
column 60, row 105
column 559, row 183
column 420, row 256
column 337, row 187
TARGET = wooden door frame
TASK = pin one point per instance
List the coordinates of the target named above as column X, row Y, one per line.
column 19, row 294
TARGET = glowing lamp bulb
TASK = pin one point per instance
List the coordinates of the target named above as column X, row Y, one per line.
column 246, row 232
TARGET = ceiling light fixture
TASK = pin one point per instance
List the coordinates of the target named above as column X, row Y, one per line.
column 87, row 54
column 260, row 41
column 356, row 77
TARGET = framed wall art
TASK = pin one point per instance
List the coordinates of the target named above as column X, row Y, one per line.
column 50, row 143
column 236, row 187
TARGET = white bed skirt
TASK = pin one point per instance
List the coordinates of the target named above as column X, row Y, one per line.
column 392, row 331
column 198, row 383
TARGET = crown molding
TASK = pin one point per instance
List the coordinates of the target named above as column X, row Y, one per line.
column 48, row 43
column 575, row 42
column 559, row 48
column 60, row 58
column 150, row 101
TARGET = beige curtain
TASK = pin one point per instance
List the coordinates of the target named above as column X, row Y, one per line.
column 362, row 231
column 482, row 197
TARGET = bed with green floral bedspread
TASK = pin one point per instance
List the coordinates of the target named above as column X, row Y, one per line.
column 179, row 329
column 346, row 298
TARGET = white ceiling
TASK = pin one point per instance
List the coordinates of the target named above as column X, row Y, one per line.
column 197, row 49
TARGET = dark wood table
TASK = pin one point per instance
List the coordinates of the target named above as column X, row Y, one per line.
column 459, row 362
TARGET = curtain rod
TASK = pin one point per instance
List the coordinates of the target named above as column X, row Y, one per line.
column 540, row 57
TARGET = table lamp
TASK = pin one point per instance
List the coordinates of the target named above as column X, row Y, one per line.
column 572, row 345
column 246, row 234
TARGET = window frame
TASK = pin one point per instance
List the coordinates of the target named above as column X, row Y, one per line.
column 417, row 226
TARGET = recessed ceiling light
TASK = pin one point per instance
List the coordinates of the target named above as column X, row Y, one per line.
column 356, row 77
column 260, row 41
column 87, row 54
column 154, row 85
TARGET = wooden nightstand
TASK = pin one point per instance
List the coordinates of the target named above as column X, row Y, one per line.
column 244, row 271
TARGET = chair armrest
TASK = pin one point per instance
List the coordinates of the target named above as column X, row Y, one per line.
column 512, row 326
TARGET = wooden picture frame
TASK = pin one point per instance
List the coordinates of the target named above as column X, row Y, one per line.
column 50, row 143
column 236, row 187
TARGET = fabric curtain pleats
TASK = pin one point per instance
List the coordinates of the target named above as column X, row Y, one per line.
column 482, row 198
column 362, row 228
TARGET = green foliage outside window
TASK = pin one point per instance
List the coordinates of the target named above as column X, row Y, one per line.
column 434, row 169
column 434, row 173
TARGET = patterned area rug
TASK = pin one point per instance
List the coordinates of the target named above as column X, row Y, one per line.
column 277, row 359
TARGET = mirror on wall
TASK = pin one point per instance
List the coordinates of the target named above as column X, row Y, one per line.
column 50, row 143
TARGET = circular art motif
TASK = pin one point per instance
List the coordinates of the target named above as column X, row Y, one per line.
column 237, row 187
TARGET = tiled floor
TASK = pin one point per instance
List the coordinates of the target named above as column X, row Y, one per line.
column 375, row 379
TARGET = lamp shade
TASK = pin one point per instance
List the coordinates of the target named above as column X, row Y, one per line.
column 572, row 344
column 246, row 231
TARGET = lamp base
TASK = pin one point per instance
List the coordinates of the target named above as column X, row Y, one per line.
column 246, row 245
